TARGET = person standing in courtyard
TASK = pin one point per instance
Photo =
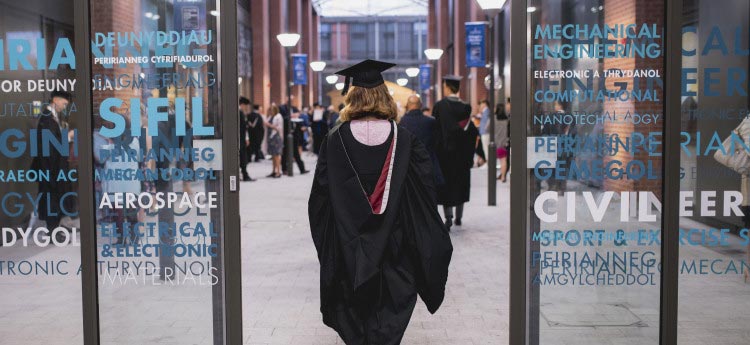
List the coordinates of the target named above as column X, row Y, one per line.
column 255, row 121
column 274, row 141
column 319, row 126
column 456, row 142
column 423, row 127
column 245, row 137
column 51, row 122
column 300, row 124
column 373, row 217
column 502, row 138
column 484, row 124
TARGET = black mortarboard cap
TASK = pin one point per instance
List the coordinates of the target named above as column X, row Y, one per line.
column 454, row 80
column 365, row 74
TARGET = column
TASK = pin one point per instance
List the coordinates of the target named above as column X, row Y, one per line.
column 261, row 53
column 276, row 59
column 315, row 51
column 294, row 20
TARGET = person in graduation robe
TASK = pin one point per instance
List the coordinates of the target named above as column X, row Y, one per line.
column 245, row 137
column 257, row 132
column 374, row 220
column 456, row 141
column 55, row 162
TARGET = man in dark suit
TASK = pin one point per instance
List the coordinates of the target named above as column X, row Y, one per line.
column 319, row 126
column 55, row 162
column 289, row 123
column 257, row 132
column 244, row 129
column 423, row 127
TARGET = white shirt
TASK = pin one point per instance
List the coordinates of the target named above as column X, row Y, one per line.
column 54, row 115
column 278, row 122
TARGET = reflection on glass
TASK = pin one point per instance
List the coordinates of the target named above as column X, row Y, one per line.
column 39, row 225
column 157, row 149
column 594, row 159
column 713, row 303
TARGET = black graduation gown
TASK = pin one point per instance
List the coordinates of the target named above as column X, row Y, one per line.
column 455, row 148
column 423, row 127
column 372, row 271
column 244, row 150
column 54, row 163
column 257, row 132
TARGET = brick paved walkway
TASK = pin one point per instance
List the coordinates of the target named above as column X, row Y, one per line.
column 281, row 269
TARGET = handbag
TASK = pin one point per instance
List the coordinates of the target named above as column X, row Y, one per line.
column 502, row 152
column 736, row 157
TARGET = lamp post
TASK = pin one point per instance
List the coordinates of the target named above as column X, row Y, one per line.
column 434, row 54
column 412, row 72
column 288, row 40
column 491, row 9
column 332, row 79
column 319, row 66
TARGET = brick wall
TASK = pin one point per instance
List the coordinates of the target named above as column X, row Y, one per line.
column 261, row 80
column 638, row 12
column 114, row 16
column 269, row 18
column 438, row 36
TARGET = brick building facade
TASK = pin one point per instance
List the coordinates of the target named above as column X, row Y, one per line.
column 268, row 18
column 639, row 12
column 446, row 31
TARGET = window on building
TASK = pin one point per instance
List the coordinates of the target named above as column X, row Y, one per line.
column 420, row 37
column 358, row 41
column 406, row 41
column 387, row 40
column 361, row 40
column 244, row 51
column 326, row 48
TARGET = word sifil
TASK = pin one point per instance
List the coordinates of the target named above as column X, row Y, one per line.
column 157, row 110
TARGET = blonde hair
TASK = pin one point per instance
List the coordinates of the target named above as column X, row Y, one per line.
column 361, row 102
column 272, row 110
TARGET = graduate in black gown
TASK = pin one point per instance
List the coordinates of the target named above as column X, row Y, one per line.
column 55, row 162
column 457, row 140
column 374, row 219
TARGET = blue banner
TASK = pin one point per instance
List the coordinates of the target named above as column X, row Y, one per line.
column 475, row 44
column 425, row 77
column 299, row 66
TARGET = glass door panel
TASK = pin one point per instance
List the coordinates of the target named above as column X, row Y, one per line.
column 714, row 262
column 40, row 227
column 594, row 146
column 158, row 171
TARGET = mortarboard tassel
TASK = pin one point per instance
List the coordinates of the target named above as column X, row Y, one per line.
column 347, row 82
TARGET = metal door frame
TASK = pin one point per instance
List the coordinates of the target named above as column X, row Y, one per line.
column 232, row 274
column 519, row 318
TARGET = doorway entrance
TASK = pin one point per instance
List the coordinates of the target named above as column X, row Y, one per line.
column 120, row 212
column 612, row 97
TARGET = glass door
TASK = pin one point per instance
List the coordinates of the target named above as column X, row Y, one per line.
column 164, row 180
column 593, row 116
column 40, row 225
column 714, row 261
